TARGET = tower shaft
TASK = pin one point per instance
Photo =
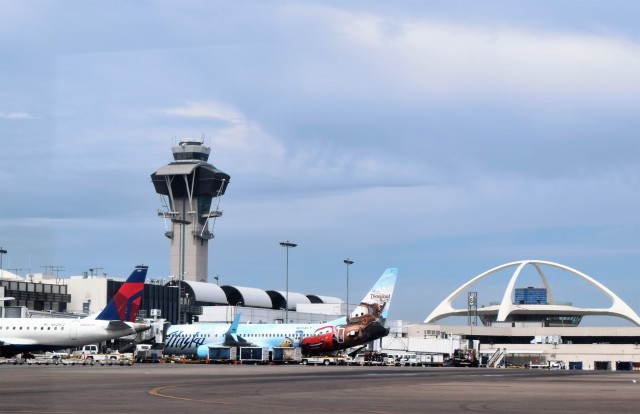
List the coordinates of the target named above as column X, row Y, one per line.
column 189, row 250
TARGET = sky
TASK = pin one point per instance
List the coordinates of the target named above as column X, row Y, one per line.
column 441, row 138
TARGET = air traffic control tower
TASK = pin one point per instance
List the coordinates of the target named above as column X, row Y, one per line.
column 190, row 189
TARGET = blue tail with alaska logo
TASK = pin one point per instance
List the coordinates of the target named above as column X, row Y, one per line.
column 125, row 303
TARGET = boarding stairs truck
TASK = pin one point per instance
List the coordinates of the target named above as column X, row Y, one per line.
column 496, row 359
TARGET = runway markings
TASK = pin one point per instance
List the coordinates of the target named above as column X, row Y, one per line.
column 157, row 392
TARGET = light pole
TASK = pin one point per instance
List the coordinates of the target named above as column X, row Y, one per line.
column 181, row 315
column 348, row 262
column 2, row 253
column 288, row 246
column 217, row 278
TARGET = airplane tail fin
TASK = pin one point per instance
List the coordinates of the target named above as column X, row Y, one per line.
column 376, row 302
column 125, row 303
column 233, row 329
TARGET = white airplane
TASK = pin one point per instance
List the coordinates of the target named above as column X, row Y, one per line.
column 47, row 334
column 365, row 324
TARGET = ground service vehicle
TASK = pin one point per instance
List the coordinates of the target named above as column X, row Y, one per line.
column 323, row 360
column 146, row 353
column 254, row 354
column 85, row 350
column 284, row 355
column 221, row 354
column 430, row 360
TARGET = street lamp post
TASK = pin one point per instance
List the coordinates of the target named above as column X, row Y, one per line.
column 2, row 253
column 348, row 262
column 181, row 305
column 288, row 246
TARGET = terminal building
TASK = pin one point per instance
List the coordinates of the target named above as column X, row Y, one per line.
column 528, row 327
column 78, row 296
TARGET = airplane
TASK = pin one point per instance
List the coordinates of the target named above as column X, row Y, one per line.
column 117, row 319
column 365, row 324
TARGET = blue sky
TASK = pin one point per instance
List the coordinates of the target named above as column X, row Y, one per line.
column 442, row 138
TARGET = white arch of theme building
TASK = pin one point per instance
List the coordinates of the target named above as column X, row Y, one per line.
column 618, row 307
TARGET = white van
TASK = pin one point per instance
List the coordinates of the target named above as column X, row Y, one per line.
column 409, row 360
column 393, row 360
column 86, row 350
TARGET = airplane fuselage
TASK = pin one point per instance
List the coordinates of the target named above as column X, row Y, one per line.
column 26, row 334
column 312, row 338
column 366, row 324
column 185, row 339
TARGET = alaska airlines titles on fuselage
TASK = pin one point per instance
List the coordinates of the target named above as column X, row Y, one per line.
column 188, row 340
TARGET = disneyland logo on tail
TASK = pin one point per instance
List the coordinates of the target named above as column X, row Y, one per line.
column 384, row 297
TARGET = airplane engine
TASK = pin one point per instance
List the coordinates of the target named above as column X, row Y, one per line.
column 203, row 351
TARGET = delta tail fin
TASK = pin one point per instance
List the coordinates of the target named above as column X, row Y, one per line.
column 125, row 303
column 376, row 302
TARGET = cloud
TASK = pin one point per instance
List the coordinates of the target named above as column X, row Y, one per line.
column 244, row 144
column 447, row 60
column 488, row 207
column 238, row 140
column 211, row 110
column 17, row 115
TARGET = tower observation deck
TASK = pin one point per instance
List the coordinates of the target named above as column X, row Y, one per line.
column 190, row 190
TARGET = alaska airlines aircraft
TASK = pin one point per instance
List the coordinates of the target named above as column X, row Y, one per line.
column 46, row 334
column 365, row 324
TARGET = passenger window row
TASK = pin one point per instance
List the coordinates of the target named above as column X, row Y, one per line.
column 35, row 328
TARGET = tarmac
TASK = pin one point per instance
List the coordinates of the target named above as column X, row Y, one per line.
column 186, row 388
